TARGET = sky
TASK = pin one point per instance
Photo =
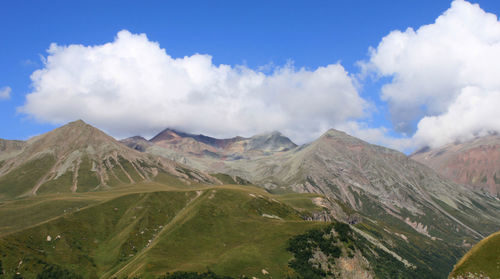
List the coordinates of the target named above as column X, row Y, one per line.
column 403, row 74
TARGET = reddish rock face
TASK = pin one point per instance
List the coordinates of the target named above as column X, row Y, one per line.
column 475, row 163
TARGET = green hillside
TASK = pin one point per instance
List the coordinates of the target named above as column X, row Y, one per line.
column 151, row 229
column 482, row 260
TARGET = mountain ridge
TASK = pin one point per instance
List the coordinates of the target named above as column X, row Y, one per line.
column 361, row 175
column 407, row 210
column 475, row 162
column 79, row 157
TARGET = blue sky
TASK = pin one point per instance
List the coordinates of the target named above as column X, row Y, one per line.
column 312, row 34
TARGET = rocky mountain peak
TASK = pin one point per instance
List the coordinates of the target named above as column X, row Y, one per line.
column 273, row 141
column 167, row 134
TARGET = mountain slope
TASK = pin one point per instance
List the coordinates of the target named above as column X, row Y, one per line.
column 230, row 230
column 78, row 158
column 148, row 229
column 482, row 260
column 400, row 212
column 382, row 183
column 475, row 163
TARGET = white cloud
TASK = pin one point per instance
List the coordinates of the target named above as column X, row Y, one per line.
column 5, row 92
column 432, row 70
column 379, row 135
column 475, row 112
column 131, row 85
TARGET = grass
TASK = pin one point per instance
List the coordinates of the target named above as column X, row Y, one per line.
column 107, row 233
column 227, row 179
column 87, row 179
column 151, row 228
column 129, row 168
column 483, row 258
column 25, row 177
column 60, row 185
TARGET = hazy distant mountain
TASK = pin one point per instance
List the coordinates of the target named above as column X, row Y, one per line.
column 475, row 162
column 78, row 158
column 201, row 144
column 207, row 153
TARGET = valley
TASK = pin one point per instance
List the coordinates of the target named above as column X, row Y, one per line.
column 77, row 201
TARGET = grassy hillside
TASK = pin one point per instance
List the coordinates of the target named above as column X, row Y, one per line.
column 151, row 229
column 482, row 260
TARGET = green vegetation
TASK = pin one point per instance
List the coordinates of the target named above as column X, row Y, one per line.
column 168, row 179
column 87, row 178
column 194, row 275
column 22, row 179
column 130, row 169
column 483, row 259
column 338, row 240
column 227, row 179
column 56, row 272
column 145, row 231
column 59, row 185
column 303, row 246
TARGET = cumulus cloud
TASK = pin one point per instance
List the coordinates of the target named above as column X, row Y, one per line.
column 475, row 112
column 376, row 135
column 444, row 75
column 5, row 92
column 131, row 85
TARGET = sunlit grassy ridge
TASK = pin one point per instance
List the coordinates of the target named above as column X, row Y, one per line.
column 483, row 259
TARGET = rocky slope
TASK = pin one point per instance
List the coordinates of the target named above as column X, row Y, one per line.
column 78, row 158
column 379, row 182
column 201, row 145
column 475, row 163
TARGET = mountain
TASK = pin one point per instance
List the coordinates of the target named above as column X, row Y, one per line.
column 378, row 182
column 475, row 162
column 203, row 145
column 148, row 229
column 10, row 148
column 78, row 158
column 482, row 261
column 337, row 207
column 138, row 143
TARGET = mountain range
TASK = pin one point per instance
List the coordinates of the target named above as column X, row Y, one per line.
column 185, row 202
column 363, row 176
column 475, row 162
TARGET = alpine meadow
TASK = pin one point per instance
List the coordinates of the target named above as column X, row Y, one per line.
column 250, row 139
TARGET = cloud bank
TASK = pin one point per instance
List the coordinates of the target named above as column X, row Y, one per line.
column 444, row 88
column 445, row 84
column 5, row 92
column 131, row 85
